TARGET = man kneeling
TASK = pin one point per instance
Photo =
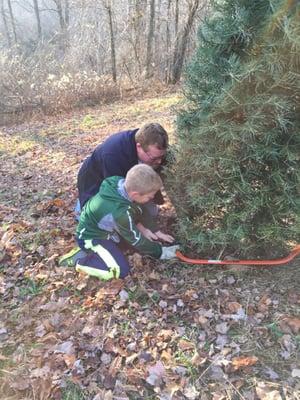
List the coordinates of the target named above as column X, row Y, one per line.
column 116, row 213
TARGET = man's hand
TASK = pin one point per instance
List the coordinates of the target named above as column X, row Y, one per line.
column 169, row 252
column 146, row 232
column 164, row 237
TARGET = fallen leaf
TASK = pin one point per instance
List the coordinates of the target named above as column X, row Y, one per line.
column 271, row 374
column 69, row 359
column 185, row 345
column 111, row 288
column 241, row 362
column 115, row 366
column 233, row 307
column 20, row 383
column 265, row 391
column 222, row 328
column 291, row 323
column 156, row 374
column 66, row 348
column 124, row 296
column 198, row 359
column 264, row 303
column 191, row 393
column 296, row 373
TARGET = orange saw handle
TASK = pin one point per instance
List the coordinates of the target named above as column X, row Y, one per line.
column 275, row 261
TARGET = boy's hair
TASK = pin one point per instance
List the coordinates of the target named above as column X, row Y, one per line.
column 150, row 134
column 142, row 179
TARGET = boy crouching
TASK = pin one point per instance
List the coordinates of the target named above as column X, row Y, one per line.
column 117, row 212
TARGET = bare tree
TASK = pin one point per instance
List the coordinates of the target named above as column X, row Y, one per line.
column 138, row 25
column 38, row 19
column 176, row 17
column 12, row 20
column 5, row 25
column 62, row 10
column 168, row 42
column 150, row 39
column 67, row 12
column 108, row 7
column 182, row 41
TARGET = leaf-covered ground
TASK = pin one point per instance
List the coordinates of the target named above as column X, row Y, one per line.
column 169, row 331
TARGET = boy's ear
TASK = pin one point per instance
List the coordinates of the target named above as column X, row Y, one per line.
column 133, row 195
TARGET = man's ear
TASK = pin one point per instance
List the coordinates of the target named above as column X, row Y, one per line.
column 138, row 147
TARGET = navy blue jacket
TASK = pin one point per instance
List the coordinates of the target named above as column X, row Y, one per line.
column 114, row 157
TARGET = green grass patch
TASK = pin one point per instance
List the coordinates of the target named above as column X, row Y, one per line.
column 73, row 392
column 31, row 288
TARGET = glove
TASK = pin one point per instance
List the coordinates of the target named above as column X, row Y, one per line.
column 169, row 252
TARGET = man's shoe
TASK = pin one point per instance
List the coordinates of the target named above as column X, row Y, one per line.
column 70, row 259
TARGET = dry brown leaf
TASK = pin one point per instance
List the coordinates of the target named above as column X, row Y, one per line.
column 264, row 303
column 49, row 338
column 185, row 345
column 69, row 359
column 111, row 288
column 265, row 391
column 115, row 366
column 291, row 322
column 43, row 388
column 136, row 260
column 198, row 359
column 233, row 307
column 20, row 383
column 165, row 334
column 166, row 355
column 242, row 362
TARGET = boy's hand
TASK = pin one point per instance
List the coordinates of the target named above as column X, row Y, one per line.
column 164, row 237
column 169, row 252
column 146, row 232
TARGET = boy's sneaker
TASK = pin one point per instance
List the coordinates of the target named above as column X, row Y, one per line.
column 70, row 259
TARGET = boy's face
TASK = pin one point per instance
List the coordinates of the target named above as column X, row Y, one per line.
column 143, row 198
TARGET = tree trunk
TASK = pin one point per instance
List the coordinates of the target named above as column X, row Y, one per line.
column 6, row 30
column 176, row 17
column 12, row 20
column 181, row 43
column 67, row 13
column 150, row 38
column 168, row 43
column 112, row 43
column 138, row 22
column 38, row 19
column 62, row 22
column 63, row 15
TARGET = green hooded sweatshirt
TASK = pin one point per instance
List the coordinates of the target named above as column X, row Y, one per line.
column 110, row 214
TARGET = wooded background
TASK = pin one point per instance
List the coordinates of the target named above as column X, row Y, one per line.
column 57, row 53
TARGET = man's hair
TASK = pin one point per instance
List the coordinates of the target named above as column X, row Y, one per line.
column 150, row 134
column 142, row 179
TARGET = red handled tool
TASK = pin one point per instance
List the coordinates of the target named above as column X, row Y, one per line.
column 275, row 261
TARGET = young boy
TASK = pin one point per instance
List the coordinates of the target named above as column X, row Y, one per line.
column 116, row 212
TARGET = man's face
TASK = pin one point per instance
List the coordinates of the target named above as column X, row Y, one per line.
column 143, row 198
column 152, row 156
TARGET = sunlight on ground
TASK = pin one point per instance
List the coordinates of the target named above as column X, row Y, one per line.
column 16, row 146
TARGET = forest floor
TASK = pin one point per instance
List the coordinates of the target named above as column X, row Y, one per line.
column 169, row 331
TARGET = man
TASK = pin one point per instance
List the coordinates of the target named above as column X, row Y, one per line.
column 117, row 154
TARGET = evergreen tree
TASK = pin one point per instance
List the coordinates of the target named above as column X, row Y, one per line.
column 235, row 179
